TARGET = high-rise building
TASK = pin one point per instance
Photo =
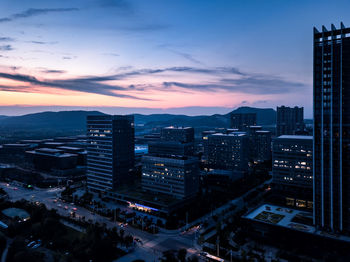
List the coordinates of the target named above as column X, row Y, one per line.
column 292, row 169
column 242, row 121
column 228, row 151
column 176, row 176
column 178, row 134
column 332, row 129
column 110, row 151
column 290, row 120
column 170, row 167
column 259, row 144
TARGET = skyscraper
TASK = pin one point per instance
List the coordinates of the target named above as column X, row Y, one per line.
column 332, row 129
column 290, row 120
column 170, row 167
column 242, row 121
column 110, row 150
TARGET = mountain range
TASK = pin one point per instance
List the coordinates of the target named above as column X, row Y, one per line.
column 72, row 122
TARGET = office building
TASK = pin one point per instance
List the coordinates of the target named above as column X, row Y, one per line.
column 332, row 129
column 178, row 134
column 170, row 148
column 290, row 120
column 110, row 158
column 292, row 169
column 176, row 176
column 228, row 151
column 259, row 144
column 242, row 121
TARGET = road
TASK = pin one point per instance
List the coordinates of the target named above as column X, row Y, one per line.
column 152, row 245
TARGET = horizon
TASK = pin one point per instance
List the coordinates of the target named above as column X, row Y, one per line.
column 188, row 111
column 133, row 54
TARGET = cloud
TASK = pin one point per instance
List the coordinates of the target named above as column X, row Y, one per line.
column 227, row 79
column 68, row 57
column 253, row 84
column 48, row 71
column 6, row 48
column 187, row 56
column 111, row 54
column 76, row 84
column 35, row 12
column 43, row 43
column 6, row 39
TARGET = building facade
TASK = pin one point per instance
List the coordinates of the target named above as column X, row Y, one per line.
column 228, row 151
column 110, row 151
column 175, row 176
column 292, row 169
column 242, row 121
column 290, row 120
column 178, row 134
column 332, row 129
column 259, row 144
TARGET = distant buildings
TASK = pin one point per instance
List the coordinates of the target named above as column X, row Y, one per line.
column 242, row 121
column 177, row 134
column 110, row 159
column 50, row 158
column 228, row 151
column 259, row 144
column 170, row 167
column 292, row 169
column 290, row 121
column 332, row 129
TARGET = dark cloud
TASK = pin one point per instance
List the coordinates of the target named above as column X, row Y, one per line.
column 35, row 12
column 6, row 39
column 249, row 84
column 68, row 57
column 76, row 84
column 43, row 43
column 111, row 54
column 6, row 48
column 48, row 71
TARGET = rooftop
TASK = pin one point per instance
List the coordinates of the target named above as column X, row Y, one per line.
column 295, row 137
column 289, row 218
column 280, row 216
column 177, row 127
column 230, row 134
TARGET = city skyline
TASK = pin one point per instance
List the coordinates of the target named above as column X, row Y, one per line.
column 133, row 54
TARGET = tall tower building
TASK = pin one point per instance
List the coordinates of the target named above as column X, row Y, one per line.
column 110, row 157
column 242, row 121
column 290, row 120
column 332, row 129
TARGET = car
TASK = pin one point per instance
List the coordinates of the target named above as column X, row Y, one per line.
column 36, row 246
column 31, row 244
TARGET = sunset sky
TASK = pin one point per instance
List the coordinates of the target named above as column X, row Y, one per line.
column 159, row 54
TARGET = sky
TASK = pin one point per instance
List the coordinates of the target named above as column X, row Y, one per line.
column 183, row 56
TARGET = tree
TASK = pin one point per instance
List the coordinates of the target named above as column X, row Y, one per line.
column 181, row 254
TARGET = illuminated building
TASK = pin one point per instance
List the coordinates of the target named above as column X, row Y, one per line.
column 228, row 151
column 292, row 169
column 332, row 129
column 171, row 175
column 110, row 158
